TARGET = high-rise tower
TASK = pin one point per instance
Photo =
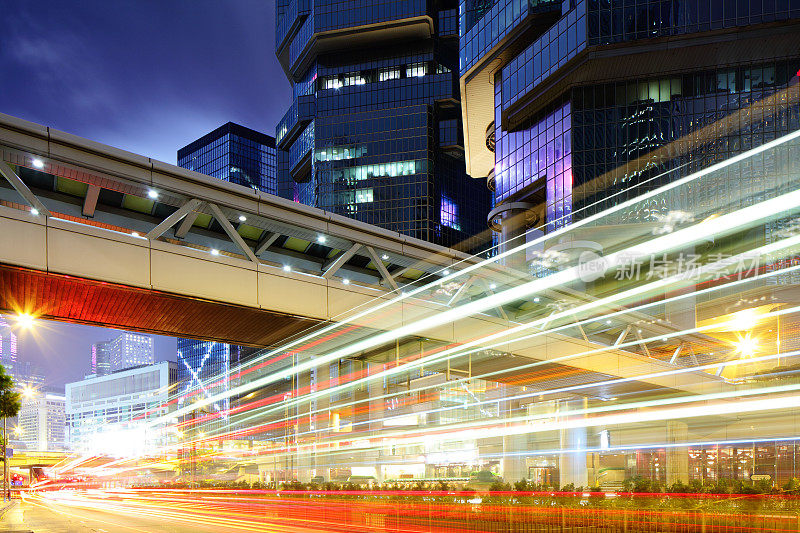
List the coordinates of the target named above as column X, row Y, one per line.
column 374, row 129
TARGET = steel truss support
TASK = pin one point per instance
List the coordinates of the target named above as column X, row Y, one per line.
column 22, row 189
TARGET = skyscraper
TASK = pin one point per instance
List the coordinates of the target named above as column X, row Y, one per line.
column 27, row 374
column 574, row 107
column 233, row 153
column 8, row 346
column 42, row 421
column 129, row 350
column 247, row 157
column 577, row 105
column 101, row 358
column 374, row 131
column 206, row 370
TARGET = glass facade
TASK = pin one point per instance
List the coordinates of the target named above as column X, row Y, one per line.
column 114, row 414
column 206, row 370
column 100, row 364
column 383, row 143
column 635, row 132
column 485, row 23
column 8, row 345
column 236, row 154
column 613, row 22
column 596, row 139
column 246, row 157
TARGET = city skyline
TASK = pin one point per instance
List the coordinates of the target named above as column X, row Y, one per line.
column 41, row 345
column 506, row 265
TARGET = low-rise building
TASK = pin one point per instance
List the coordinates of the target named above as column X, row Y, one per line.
column 123, row 413
column 41, row 424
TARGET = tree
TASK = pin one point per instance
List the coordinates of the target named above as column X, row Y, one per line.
column 10, row 404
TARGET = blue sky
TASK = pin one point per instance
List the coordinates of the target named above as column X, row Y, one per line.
column 148, row 76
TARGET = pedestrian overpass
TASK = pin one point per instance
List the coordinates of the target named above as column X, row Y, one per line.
column 96, row 235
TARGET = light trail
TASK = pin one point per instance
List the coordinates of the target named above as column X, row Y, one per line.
column 550, row 236
column 456, row 352
column 678, row 240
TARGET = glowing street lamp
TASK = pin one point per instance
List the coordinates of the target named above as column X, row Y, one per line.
column 747, row 345
column 25, row 320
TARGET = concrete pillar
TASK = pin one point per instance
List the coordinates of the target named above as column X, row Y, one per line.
column 513, row 463
column 572, row 465
column 376, row 413
column 677, row 457
column 514, row 223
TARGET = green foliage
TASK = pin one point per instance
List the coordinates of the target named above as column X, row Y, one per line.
column 499, row 486
column 485, row 476
column 792, row 486
column 10, row 401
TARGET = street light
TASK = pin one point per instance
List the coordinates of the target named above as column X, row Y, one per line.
column 25, row 320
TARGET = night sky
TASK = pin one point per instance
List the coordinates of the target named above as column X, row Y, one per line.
column 148, row 76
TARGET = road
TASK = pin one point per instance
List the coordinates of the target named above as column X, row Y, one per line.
column 40, row 515
column 72, row 512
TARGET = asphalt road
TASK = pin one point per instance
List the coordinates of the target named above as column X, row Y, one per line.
column 115, row 512
column 34, row 515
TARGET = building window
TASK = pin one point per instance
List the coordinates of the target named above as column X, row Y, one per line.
column 331, row 82
column 416, row 70
column 338, row 153
column 449, row 213
column 385, row 74
column 364, row 172
column 363, row 196
column 353, row 78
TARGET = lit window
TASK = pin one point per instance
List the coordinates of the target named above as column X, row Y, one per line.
column 353, row 78
column 449, row 214
column 363, row 196
column 415, row 70
column 331, row 82
column 385, row 74
column 338, row 153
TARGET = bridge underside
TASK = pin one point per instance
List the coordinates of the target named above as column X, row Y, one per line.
column 83, row 301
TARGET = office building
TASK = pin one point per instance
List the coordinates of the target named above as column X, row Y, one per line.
column 128, row 350
column 576, row 106
column 100, row 364
column 247, row 157
column 41, row 424
column 28, row 375
column 233, row 153
column 8, row 346
column 373, row 131
column 113, row 414
column 24, row 373
column 205, row 367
